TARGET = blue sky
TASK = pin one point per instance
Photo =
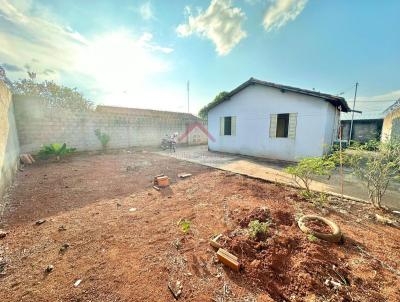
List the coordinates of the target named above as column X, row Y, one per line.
column 141, row 53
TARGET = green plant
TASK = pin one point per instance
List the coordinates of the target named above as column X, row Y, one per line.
column 185, row 225
column 104, row 138
column 56, row 150
column 304, row 172
column 311, row 237
column 377, row 169
column 257, row 228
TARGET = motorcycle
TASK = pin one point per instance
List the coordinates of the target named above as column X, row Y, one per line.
column 169, row 142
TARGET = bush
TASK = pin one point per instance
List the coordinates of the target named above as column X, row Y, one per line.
column 55, row 150
column 304, row 172
column 104, row 138
column 257, row 228
column 377, row 169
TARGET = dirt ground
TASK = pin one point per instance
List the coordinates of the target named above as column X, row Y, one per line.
column 106, row 226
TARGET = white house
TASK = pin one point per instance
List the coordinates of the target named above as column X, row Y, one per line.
column 275, row 121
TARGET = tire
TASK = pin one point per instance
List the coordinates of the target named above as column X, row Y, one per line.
column 335, row 236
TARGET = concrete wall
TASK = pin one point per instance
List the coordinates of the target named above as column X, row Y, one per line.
column 391, row 125
column 363, row 130
column 38, row 125
column 9, row 148
column 315, row 130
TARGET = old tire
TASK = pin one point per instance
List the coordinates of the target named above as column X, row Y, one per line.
column 335, row 236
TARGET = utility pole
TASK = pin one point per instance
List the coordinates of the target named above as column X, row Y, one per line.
column 352, row 113
column 188, row 86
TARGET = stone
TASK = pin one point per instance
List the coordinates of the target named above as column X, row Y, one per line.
column 255, row 263
column 40, row 221
column 49, row 268
column 3, row 234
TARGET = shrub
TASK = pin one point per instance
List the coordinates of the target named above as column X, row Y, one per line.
column 257, row 228
column 104, row 138
column 304, row 172
column 185, row 225
column 377, row 169
column 55, row 150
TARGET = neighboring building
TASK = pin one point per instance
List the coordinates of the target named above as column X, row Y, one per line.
column 391, row 122
column 366, row 127
column 275, row 121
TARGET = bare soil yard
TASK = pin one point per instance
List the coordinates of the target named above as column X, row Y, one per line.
column 106, row 226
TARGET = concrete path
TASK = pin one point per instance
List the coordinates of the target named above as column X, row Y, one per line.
column 272, row 170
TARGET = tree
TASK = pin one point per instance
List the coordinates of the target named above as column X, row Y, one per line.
column 217, row 100
column 55, row 96
column 377, row 169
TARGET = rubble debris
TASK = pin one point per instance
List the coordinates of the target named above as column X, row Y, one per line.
column 49, row 268
column 40, row 221
column 228, row 259
column 157, row 176
column 385, row 220
column 31, row 157
column 132, row 209
column 64, row 248
column 77, row 282
column 176, row 291
column 214, row 242
column 162, row 181
column 25, row 159
column 184, row 175
column 156, row 188
column 3, row 234
column 62, row 228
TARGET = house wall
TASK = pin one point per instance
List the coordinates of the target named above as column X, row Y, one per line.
column 391, row 125
column 9, row 148
column 38, row 125
column 363, row 130
column 252, row 108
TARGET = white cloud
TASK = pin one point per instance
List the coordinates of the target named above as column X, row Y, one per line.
column 280, row 12
column 146, row 11
column 221, row 23
column 115, row 68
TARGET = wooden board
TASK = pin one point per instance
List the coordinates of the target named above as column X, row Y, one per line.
column 228, row 259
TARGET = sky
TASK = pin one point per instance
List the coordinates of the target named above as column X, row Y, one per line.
column 142, row 53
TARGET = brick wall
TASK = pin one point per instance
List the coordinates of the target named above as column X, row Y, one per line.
column 9, row 149
column 127, row 127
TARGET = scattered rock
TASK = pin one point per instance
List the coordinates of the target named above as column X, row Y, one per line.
column 384, row 220
column 25, row 159
column 3, row 234
column 255, row 263
column 40, row 221
column 132, row 210
column 62, row 228
column 49, row 268
column 77, row 282
column 64, row 248
column 176, row 290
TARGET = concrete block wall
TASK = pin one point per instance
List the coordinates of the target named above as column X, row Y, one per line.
column 9, row 147
column 38, row 125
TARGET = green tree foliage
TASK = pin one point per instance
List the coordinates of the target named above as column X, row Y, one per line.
column 377, row 169
column 304, row 172
column 55, row 96
column 218, row 99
